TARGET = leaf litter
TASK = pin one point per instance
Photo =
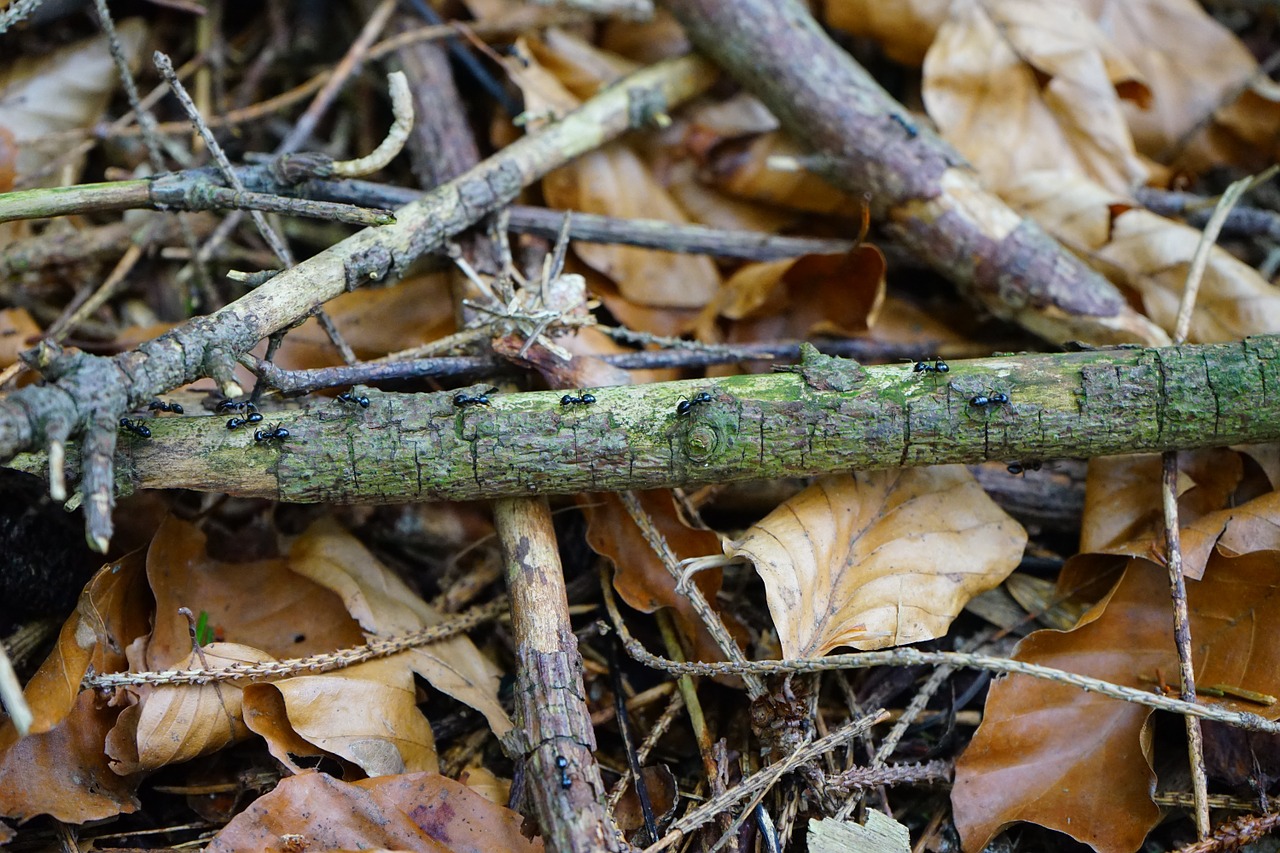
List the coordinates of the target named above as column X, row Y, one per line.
column 1062, row 108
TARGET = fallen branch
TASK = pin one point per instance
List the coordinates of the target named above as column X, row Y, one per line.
column 828, row 415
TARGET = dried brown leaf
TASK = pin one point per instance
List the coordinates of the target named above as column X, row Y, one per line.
column 18, row 331
column 838, row 295
column 614, row 181
column 111, row 613
column 386, row 607
column 172, row 724
column 1123, row 508
column 64, row 772
column 374, row 321
column 414, row 812
column 262, row 604
column 61, row 90
column 1043, row 747
column 747, row 170
column 1023, row 85
column 1158, row 36
column 639, row 575
column 1150, row 255
column 367, row 714
column 880, row 558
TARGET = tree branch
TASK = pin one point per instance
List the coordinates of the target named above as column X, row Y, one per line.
column 829, row 415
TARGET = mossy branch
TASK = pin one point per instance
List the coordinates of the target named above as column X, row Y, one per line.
column 828, row 415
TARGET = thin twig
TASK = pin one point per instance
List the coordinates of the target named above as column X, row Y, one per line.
column 710, row 618
column 916, row 657
column 765, row 779
column 1169, row 503
column 1182, row 636
column 1200, row 259
column 326, row 662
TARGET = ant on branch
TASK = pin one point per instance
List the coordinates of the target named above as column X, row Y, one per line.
column 136, row 427
column 462, row 401
column 236, row 423
column 235, row 406
column 563, row 763
column 938, row 366
column 272, row 433
column 684, row 407
column 351, row 398
column 162, row 406
column 584, row 399
column 984, row 401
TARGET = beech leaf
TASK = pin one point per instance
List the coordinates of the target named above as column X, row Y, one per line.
column 1044, row 749
column 880, row 558
column 1023, row 85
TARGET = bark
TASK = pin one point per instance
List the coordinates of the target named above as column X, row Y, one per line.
column 551, row 705
column 830, row 415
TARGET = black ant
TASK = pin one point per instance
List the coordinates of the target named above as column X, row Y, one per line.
column 684, row 407
column 584, row 399
column 1017, row 468
column 273, row 433
column 235, row 406
column 236, row 423
column 563, row 763
column 162, row 406
column 982, row 401
column 350, row 397
column 461, row 400
column 938, row 366
column 136, row 427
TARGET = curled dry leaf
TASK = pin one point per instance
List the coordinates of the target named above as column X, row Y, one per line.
column 367, row 714
column 171, row 724
column 386, row 607
column 838, row 295
column 879, row 559
column 413, row 812
column 1043, row 746
column 1123, row 508
column 60, row 769
column 1024, row 85
column 1157, row 36
column 1150, row 255
column 111, row 613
